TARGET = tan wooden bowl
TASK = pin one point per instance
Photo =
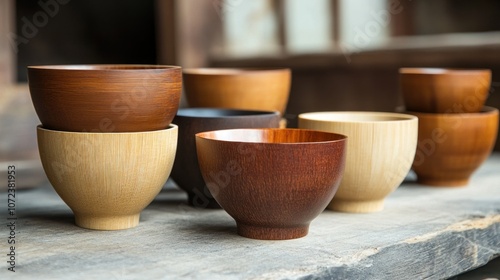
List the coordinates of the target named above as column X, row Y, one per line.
column 273, row 182
column 437, row 90
column 105, row 98
column 380, row 151
column 452, row 146
column 107, row 179
column 247, row 89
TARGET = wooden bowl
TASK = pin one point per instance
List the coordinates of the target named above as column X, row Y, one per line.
column 381, row 148
column 273, row 182
column 452, row 146
column 247, row 89
column 105, row 98
column 186, row 172
column 436, row 90
column 107, row 179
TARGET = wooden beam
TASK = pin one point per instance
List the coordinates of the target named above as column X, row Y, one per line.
column 166, row 32
column 7, row 52
column 188, row 31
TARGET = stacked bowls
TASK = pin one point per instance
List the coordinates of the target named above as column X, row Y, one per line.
column 456, row 131
column 106, row 141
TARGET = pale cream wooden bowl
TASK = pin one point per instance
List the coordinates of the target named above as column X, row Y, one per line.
column 380, row 150
column 107, row 179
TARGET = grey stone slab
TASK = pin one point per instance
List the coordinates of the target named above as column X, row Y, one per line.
column 423, row 233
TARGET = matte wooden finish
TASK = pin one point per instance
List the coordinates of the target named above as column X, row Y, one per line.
column 248, row 89
column 452, row 146
column 381, row 147
column 107, row 179
column 186, row 171
column 273, row 182
column 105, row 98
column 436, row 90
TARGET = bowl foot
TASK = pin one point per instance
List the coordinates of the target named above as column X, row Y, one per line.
column 197, row 202
column 106, row 223
column 356, row 206
column 443, row 182
column 272, row 233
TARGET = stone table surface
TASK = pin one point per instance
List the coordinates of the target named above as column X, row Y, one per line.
column 423, row 233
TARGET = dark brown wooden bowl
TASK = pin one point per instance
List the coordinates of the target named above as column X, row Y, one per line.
column 105, row 98
column 452, row 146
column 273, row 182
column 186, row 172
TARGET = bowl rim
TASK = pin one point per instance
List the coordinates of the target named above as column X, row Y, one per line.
column 47, row 130
column 485, row 111
column 326, row 117
column 236, row 71
column 441, row 71
column 104, row 67
column 206, row 136
column 239, row 113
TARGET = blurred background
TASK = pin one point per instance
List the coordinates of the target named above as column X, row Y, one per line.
column 344, row 54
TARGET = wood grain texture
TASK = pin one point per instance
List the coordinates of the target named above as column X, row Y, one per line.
column 423, row 233
column 105, row 98
column 380, row 150
column 186, row 172
column 437, row 90
column 451, row 147
column 107, row 179
column 273, row 182
column 248, row 89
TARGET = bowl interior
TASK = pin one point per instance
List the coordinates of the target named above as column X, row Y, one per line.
column 274, row 136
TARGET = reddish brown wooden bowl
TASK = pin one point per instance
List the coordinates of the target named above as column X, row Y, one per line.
column 452, row 146
column 105, row 98
column 246, row 89
column 186, row 172
column 273, row 182
column 436, row 90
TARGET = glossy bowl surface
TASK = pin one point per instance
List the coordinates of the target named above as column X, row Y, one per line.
column 273, row 182
column 451, row 147
column 441, row 90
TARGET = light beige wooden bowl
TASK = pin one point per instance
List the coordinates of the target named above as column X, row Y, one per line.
column 107, row 179
column 380, row 150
